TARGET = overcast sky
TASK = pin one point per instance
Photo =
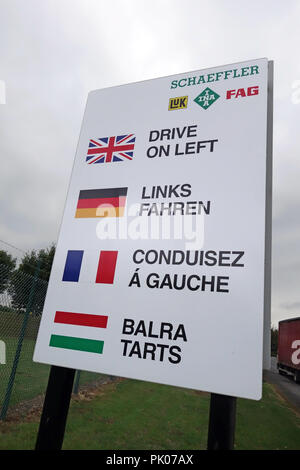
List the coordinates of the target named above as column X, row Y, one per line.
column 53, row 52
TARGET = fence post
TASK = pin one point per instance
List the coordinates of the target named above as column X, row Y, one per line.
column 20, row 344
column 76, row 382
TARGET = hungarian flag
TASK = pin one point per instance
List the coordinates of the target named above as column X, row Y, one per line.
column 75, row 322
column 109, row 202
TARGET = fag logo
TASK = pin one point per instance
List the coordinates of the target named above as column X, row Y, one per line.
column 178, row 103
column 206, row 98
column 241, row 92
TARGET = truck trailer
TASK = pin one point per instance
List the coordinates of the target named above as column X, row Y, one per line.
column 288, row 353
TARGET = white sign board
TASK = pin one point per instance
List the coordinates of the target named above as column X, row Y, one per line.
column 159, row 268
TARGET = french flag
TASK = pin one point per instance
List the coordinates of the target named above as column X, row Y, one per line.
column 105, row 271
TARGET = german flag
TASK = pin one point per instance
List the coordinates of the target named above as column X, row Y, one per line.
column 109, row 202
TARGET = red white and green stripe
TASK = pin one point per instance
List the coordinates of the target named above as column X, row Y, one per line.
column 78, row 343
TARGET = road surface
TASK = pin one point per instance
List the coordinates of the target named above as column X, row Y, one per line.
column 284, row 384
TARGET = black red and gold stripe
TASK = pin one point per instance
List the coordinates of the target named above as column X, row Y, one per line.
column 108, row 202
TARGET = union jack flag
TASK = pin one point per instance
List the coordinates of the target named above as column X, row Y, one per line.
column 111, row 149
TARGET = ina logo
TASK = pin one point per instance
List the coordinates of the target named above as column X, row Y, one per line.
column 206, row 98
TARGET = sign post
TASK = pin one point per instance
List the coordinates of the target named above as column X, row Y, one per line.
column 222, row 417
column 55, row 411
column 161, row 264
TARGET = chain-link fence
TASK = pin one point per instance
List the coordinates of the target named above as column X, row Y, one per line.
column 22, row 298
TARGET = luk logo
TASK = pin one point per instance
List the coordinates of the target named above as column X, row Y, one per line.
column 206, row 98
column 178, row 103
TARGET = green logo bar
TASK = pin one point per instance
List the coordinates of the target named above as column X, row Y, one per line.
column 206, row 98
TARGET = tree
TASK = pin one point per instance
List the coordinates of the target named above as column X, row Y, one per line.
column 274, row 341
column 7, row 265
column 24, row 282
column 43, row 258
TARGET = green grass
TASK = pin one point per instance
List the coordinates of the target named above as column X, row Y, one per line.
column 31, row 378
column 140, row 415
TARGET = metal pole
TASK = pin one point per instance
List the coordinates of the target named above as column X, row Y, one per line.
column 76, row 383
column 55, row 411
column 268, row 233
column 221, row 422
column 20, row 344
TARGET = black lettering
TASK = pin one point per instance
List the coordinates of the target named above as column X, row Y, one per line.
column 205, row 208
column 189, row 260
column 210, row 256
column 180, row 134
column 239, row 256
column 192, row 131
column 128, row 326
column 135, row 350
column 154, row 283
column 222, row 281
column 190, row 148
column 126, row 342
column 152, row 152
column 153, row 209
column 180, row 286
column 141, row 329
column 223, row 258
column 165, row 207
column 144, row 208
column 150, row 334
column 143, row 193
column 154, row 135
column 189, row 279
column 175, row 255
column 191, row 208
column 173, row 190
column 212, row 144
column 173, row 352
column 211, row 282
column 164, row 150
column 148, row 257
column 178, row 207
column 163, row 256
column 134, row 256
column 161, row 192
column 180, row 333
column 200, row 145
column 149, row 348
column 165, row 133
column 186, row 190
column 166, row 282
column 177, row 150
column 162, row 348
column 166, row 328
